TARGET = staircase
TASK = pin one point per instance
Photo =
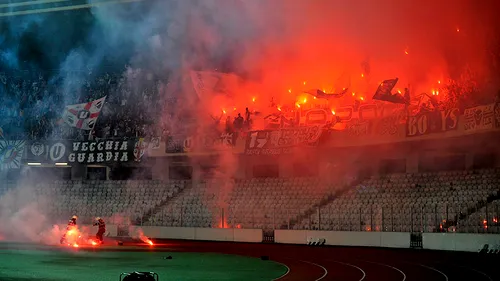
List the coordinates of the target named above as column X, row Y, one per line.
column 331, row 197
column 462, row 216
column 153, row 211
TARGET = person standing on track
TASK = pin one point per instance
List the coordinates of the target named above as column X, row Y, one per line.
column 69, row 228
column 102, row 229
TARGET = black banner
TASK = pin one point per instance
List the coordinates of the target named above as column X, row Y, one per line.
column 86, row 152
column 47, row 151
column 275, row 142
column 430, row 122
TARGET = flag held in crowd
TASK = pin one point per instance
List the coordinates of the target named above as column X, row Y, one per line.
column 322, row 95
column 84, row 115
column 384, row 93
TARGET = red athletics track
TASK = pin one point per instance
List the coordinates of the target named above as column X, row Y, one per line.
column 314, row 263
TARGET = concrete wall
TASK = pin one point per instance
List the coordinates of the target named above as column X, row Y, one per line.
column 345, row 238
column 459, row 241
column 206, row 234
column 431, row 241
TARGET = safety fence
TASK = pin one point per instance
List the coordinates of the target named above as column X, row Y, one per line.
column 387, row 218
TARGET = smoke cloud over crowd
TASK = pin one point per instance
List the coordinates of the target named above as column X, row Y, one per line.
column 278, row 44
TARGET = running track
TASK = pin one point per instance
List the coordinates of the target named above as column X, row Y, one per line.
column 313, row 263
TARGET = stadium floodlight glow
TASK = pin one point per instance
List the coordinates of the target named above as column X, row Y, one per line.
column 61, row 164
column 34, row 164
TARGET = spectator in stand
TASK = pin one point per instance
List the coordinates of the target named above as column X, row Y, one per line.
column 229, row 127
column 238, row 123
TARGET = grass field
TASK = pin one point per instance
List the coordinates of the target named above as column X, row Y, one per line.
column 54, row 264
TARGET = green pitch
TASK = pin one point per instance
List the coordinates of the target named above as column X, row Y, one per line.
column 77, row 265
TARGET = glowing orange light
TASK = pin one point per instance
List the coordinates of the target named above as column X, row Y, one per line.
column 399, row 91
column 439, row 81
column 75, row 245
column 224, row 111
column 279, row 108
column 353, row 94
column 298, row 105
column 458, row 29
column 253, row 99
column 239, row 226
column 495, row 220
column 290, row 90
column 333, row 112
column 304, row 83
column 305, row 100
column 93, row 243
column 343, row 89
column 362, row 75
column 314, row 97
column 437, row 93
column 234, row 108
column 150, row 242
column 485, row 222
column 362, row 98
column 406, row 51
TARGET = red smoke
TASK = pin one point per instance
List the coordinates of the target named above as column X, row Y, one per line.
column 330, row 45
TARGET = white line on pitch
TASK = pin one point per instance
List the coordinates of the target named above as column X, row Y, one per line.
column 352, row 265
column 326, row 271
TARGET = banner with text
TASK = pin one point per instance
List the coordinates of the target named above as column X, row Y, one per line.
column 275, row 142
column 430, row 122
column 86, row 152
column 479, row 118
column 208, row 142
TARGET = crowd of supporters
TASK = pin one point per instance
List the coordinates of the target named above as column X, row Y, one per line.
column 32, row 105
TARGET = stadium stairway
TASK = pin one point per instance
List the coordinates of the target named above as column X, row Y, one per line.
column 464, row 216
column 330, row 198
column 153, row 211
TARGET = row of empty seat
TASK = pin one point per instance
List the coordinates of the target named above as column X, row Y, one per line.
column 407, row 202
column 399, row 202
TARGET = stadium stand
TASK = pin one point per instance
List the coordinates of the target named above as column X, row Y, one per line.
column 250, row 203
column 462, row 201
column 108, row 199
column 423, row 202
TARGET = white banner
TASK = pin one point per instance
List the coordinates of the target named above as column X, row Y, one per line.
column 479, row 118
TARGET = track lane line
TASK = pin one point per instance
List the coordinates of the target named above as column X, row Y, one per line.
column 324, row 269
column 386, row 265
column 351, row 265
column 436, row 270
column 469, row 268
column 285, row 274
